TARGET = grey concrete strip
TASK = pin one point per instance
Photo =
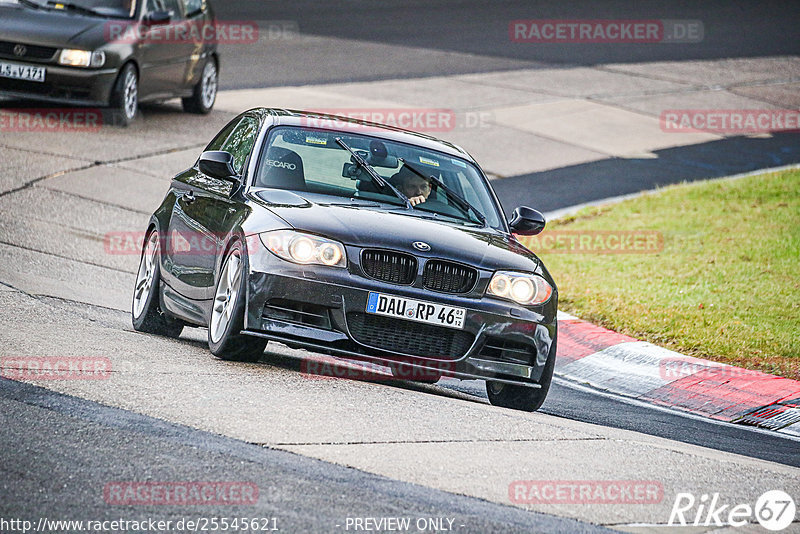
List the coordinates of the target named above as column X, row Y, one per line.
column 655, row 105
column 70, row 213
column 504, row 150
column 781, row 95
column 39, row 273
column 114, row 186
column 164, row 166
column 309, row 98
column 718, row 72
column 20, row 167
column 159, row 129
column 596, row 127
column 446, row 92
column 577, row 82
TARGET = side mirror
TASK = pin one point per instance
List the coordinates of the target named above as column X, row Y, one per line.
column 526, row 221
column 157, row 18
column 218, row 164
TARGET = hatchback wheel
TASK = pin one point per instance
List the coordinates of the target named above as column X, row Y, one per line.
column 125, row 96
column 205, row 92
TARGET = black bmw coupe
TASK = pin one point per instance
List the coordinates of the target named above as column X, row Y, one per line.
column 356, row 240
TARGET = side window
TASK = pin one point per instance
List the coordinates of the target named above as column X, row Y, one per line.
column 469, row 192
column 165, row 5
column 193, row 7
column 241, row 140
column 219, row 140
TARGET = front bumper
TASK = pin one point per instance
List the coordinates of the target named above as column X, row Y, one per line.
column 64, row 85
column 323, row 309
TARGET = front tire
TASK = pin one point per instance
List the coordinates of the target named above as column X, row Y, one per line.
column 125, row 96
column 522, row 398
column 227, row 313
column 146, row 314
column 205, row 92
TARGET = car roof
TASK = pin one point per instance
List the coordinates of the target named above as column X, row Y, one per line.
column 325, row 121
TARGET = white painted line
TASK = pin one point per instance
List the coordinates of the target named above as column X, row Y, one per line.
column 792, row 430
column 631, row 368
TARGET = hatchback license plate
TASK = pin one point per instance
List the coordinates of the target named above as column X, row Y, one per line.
column 22, row 72
column 416, row 310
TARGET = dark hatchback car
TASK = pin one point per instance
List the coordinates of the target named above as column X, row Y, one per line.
column 113, row 53
column 292, row 227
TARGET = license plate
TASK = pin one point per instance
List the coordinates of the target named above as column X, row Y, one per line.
column 22, row 72
column 416, row 310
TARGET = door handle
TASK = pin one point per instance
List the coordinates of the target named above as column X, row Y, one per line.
column 189, row 197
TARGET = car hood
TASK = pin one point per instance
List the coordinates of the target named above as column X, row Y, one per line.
column 396, row 229
column 47, row 28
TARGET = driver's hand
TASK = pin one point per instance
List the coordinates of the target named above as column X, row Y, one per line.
column 416, row 200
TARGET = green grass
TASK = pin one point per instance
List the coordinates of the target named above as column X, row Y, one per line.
column 726, row 285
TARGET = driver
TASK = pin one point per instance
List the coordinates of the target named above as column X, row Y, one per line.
column 415, row 188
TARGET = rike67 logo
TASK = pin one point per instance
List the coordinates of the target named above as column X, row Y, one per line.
column 774, row 510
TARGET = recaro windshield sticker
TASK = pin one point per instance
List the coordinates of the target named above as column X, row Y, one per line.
column 428, row 161
column 316, row 140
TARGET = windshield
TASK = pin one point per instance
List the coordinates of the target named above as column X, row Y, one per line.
column 104, row 8
column 308, row 160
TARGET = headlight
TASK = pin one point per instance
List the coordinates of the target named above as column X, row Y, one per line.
column 526, row 289
column 82, row 58
column 304, row 248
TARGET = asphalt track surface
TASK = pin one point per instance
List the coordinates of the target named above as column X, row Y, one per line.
column 473, row 36
column 301, row 494
column 52, row 433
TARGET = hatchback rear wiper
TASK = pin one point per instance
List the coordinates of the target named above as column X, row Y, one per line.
column 383, row 184
column 68, row 6
column 460, row 201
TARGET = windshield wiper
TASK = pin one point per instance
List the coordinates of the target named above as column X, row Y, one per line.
column 68, row 6
column 30, row 3
column 460, row 201
column 383, row 184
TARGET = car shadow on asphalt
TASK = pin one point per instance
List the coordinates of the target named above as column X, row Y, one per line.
column 314, row 366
